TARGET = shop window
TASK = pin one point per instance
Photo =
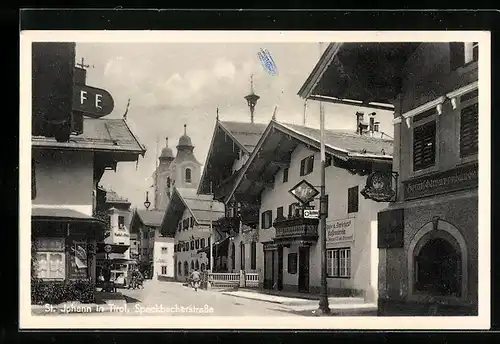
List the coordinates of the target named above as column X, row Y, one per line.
column 424, row 141
column 50, row 259
column 285, row 175
column 188, row 175
column 306, row 165
column 164, row 270
column 462, row 53
column 253, row 256
column 353, row 200
column 186, row 268
column 437, row 269
column 338, row 262
column 33, row 179
column 267, row 219
column 242, row 256
column 292, row 263
column 164, row 250
column 469, row 124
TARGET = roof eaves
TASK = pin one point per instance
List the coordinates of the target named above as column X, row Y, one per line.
column 319, row 70
column 228, row 132
column 143, row 147
column 210, row 150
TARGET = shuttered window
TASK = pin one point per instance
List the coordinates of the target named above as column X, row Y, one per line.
column 352, row 200
column 424, row 146
column 279, row 212
column 285, row 174
column 307, row 165
column 469, row 122
column 266, row 221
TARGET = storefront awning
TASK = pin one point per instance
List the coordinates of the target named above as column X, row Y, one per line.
column 65, row 221
column 117, row 249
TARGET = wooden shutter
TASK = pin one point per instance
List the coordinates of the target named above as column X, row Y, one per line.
column 352, row 199
column 424, row 146
column 290, row 210
column 263, row 220
column 457, row 55
column 469, row 122
column 311, row 164
column 302, row 166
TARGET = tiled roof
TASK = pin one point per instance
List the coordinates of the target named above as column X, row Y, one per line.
column 151, row 218
column 113, row 197
column 346, row 141
column 60, row 213
column 98, row 135
column 200, row 205
column 247, row 134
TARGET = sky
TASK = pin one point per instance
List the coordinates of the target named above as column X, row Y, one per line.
column 172, row 84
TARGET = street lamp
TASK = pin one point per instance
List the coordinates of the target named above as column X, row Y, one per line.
column 323, row 212
column 147, row 203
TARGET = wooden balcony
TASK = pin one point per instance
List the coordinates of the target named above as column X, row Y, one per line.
column 227, row 224
column 296, row 230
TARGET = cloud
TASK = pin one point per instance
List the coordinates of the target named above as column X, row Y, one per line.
column 224, row 69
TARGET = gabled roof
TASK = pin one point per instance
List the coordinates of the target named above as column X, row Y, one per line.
column 151, row 218
column 344, row 146
column 113, row 197
column 203, row 209
column 227, row 140
column 367, row 74
column 108, row 135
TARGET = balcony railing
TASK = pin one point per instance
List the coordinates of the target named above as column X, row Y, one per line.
column 227, row 224
column 296, row 228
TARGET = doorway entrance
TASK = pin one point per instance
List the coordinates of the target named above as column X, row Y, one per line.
column 303, row 269
column 279, row 284
column 268, row 269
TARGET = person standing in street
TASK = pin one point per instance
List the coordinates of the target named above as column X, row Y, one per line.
column 195, row 278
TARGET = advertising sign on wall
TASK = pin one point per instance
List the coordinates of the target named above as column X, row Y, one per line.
column 339, row 231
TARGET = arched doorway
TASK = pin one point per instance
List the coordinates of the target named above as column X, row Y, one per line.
column 233, row 257
column 179, row 268
column 437, row 269
column 192, row 265
column 186, row 269
column 197, row 265
column 437, row 261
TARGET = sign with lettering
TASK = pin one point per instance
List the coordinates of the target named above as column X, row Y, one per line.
column 91, row 101
column 379, row 187
column 391, row 228
column 311, row 213
column 78, row 260
column 122, row 234
column 464, row 177
column 339, row 231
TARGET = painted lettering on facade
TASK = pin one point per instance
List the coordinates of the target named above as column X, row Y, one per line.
column 338, row 231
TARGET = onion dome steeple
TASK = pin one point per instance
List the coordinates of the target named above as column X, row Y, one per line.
column 166, row 153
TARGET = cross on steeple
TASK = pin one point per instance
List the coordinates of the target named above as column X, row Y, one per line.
column 82, row 65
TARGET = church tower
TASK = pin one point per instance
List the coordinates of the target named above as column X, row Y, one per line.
column 186, row 168
column 163, row 178
column 181, row 171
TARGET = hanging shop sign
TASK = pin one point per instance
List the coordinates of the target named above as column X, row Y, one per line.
column 379, row 186
column 91, row 101
column 339, row 231
column 461, row 178
column 304, row 192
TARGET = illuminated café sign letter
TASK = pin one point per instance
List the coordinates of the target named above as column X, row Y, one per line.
column 91, row 101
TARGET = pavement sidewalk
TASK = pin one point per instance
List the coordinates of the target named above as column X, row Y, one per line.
column 338, row 305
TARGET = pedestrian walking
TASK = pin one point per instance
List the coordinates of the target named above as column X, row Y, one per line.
column 195, row 278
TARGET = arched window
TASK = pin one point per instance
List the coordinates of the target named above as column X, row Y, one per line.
column 437, row 269
column 179, row 268
column 242, row 253
column 202, row 266
column 188, row 175
column 197, row 265
column 202, row 242
column 192, row 265
column 233, row 256
column 186, row 269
